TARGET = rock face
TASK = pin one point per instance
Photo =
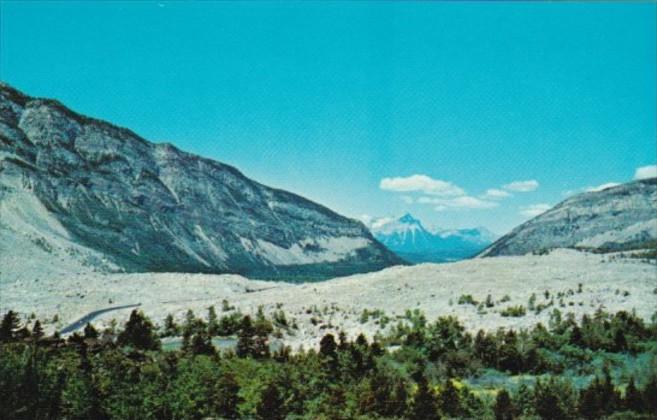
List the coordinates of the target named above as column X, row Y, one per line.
column 409, row 239
column 619, row 218
column 77, row 185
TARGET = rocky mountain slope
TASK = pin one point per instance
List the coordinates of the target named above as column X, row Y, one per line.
column 89, row 193
column 409, row 239
column 619, row 218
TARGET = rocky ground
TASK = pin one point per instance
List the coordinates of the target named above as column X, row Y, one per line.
column 610, row 281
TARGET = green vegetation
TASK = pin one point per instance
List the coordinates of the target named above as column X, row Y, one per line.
column 514, row 311
column 467, row 300
column 570, row 370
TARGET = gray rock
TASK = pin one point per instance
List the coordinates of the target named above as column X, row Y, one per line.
column 618, row 218
column 153, row 207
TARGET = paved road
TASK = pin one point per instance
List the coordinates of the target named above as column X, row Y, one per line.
column 91, row 315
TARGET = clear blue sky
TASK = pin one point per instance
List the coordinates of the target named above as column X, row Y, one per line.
column 329, row 99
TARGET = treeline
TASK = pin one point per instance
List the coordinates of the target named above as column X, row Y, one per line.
column 416, row 372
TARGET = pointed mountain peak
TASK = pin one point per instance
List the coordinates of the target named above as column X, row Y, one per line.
column 408, row 218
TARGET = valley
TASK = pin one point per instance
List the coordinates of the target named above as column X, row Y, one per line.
column 574, row 281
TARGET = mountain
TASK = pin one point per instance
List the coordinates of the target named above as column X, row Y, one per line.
column 94, row 194
column 409, row 239
column 618, row 218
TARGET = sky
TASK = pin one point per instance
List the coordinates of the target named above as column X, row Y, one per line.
column 463, row 114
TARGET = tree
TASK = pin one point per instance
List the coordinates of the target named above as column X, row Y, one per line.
column 202, row 344
column 227, row 396
column 503, row 408
column 554, row 399
column 37, row 330
column 632, row 400
column 425, row 403
column 485, row 349
column 245, row 342
column 171, row 329
column 509, row 356
column 450, row 402
column 9, row 326
column 213, row 323
column 271, row 404
column 139, row 333
column 90, row 331
column 328, row 352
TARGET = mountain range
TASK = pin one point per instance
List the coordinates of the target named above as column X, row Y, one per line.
column 617, row 218
column 79, row 188
column 408, row 238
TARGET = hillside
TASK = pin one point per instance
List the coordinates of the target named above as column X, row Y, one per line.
column 93, row 194
column 622, row 217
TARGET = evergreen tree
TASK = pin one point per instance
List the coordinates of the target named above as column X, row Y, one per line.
column 509, row 356
column 90, row 331
column 503, row 408
column 202, row 344
column 245, row 342
column 650, row 395
column 328, row 352
column 171, row 329
column 227, row 396
column 425, row 403
column 485, row 349
column 213, row 322
column 37, row 330
column 554, row 400
column 632, row 400
column 9, row 326
column 139, row 333
column 271, row 405
column 450, row 402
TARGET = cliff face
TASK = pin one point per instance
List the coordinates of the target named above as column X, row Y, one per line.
column 614, row 219
column 151, row 207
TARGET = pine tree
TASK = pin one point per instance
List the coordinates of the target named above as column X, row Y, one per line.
column 171, row 329
column 213, row 322
column 245, row 342
column 328, row 352
column 503, row 408
column 202, row 344
column 271, row 405
column 450, row 402
column 425, row 403
column 139, row 333
column 9, row 326
column 37, row 330
column 227, row 396
column 90, row 331
column 632, row 400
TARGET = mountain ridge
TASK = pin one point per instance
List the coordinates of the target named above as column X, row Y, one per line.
column 618, row 218
column 153, row 207
column 408, row 238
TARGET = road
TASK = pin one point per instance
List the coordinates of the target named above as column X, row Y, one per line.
column 91, row 315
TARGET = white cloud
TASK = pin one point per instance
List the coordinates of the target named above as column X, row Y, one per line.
column 535, row 209
column 407, row 199
column 463, row 202
column 381, row 221
column 644, row 172
column 522, row 186
column 601, row 187
column 421, row 183
column 496, row 194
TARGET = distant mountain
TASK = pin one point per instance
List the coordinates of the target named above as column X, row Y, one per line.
column 617, row 218
column 85, row 190
column 409, row 239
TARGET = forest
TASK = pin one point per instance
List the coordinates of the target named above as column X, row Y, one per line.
column 571, row 369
